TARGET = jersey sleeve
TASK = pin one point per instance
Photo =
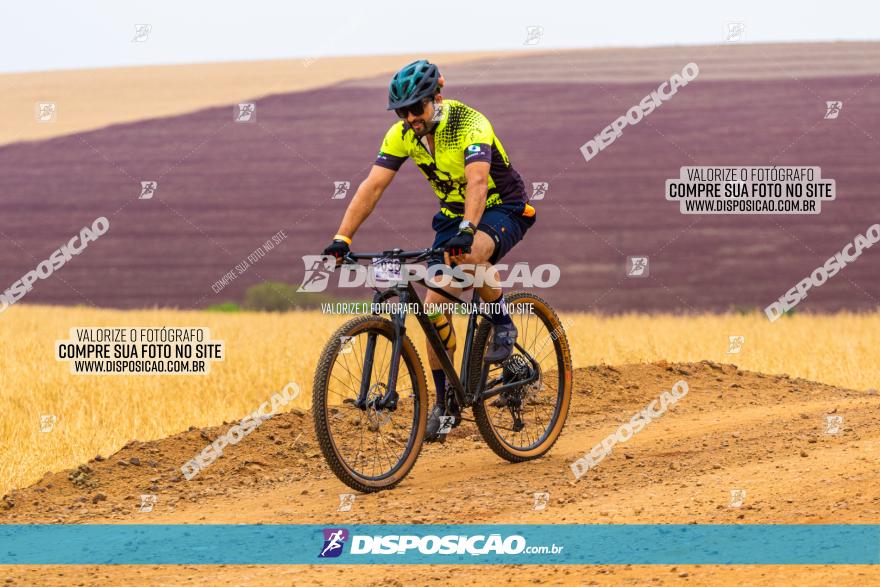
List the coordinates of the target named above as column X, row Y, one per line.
column 478, row 141
column 393, row 151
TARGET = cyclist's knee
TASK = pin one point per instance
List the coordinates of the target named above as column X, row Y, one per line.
column 482, row 249
column 482, row 273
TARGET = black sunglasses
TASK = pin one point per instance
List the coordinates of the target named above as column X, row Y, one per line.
column 417, row 109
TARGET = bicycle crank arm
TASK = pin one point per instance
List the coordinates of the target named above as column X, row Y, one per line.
column 496, row 390
column 493, row 391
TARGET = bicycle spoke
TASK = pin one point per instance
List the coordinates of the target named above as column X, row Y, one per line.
column 348, row 372
column 536, row 402
column 372, row 442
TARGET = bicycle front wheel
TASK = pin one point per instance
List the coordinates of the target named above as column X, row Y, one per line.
column 374, row 446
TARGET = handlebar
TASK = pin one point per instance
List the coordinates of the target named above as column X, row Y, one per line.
column 416, row 255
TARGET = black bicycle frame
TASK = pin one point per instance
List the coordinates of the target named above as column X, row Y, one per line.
column 466, row 397
column 406, row 293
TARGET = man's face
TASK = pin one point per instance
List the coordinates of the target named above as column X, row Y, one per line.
column 423, row 123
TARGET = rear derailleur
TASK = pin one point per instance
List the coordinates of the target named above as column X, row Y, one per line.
column 514, row 368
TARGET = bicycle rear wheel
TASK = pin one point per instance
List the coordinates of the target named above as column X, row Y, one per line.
column 374, row 448
column 524, row 423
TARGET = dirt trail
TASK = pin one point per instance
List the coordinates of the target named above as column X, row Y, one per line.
column 733, row 430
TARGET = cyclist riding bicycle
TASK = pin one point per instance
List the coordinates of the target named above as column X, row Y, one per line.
column 484, row 210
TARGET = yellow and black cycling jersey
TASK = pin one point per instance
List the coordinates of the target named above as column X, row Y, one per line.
column 462, row 136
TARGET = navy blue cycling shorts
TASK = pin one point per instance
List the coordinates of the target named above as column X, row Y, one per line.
column 504, row 223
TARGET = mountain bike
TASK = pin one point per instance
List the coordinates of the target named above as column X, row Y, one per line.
column 370, row 396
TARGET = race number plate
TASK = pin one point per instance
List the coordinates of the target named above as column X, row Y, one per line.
column 385, row 269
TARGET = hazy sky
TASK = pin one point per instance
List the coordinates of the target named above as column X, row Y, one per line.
column 56, row 34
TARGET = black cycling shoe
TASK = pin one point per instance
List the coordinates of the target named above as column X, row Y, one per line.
column 432, row 432
column 435, row 420
column 503, row 338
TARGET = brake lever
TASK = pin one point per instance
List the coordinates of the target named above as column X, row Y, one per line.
column 429, row 253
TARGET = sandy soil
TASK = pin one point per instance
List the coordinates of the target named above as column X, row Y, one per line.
column 92, row 98
column 734, row 430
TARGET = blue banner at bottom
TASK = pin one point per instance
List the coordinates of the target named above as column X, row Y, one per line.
column 229, row 544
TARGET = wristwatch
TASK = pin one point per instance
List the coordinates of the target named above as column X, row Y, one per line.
column 467, row 226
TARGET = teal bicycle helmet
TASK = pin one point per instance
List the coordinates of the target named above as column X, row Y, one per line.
column 413, row 83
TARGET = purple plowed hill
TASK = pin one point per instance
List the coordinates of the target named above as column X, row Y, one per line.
column 225, row 188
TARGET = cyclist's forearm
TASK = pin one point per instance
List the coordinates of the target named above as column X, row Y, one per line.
column 475, row 200
column 359, row 209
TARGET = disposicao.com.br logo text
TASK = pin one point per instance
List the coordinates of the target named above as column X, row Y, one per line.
column 451, row 544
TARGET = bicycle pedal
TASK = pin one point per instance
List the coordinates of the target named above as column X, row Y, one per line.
column 439, row 438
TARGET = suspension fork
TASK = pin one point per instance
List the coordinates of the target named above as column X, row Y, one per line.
column 389, row 399
column 398, row 319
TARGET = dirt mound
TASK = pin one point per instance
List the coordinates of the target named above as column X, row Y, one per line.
column 282, row 449
column 734, row 430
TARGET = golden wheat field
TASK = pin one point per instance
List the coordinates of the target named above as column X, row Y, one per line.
column 97, row 414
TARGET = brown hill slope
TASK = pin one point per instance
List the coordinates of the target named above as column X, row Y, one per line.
column 225, row 188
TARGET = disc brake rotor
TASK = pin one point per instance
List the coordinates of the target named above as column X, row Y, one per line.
column 376, row 417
